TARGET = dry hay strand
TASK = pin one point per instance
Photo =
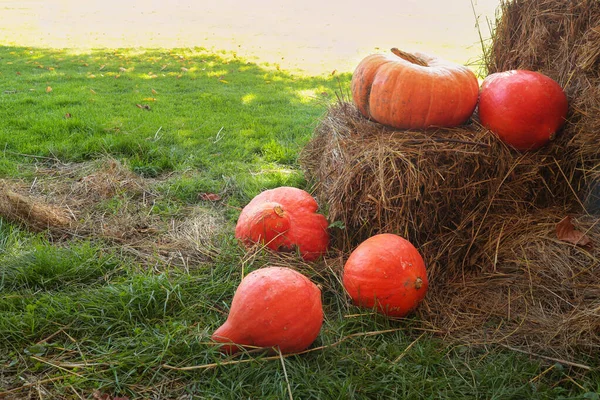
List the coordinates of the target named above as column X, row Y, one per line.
column 536, row 292
column 192, row 239
column 422, row 185
column 562, row 40
column 106, row 179
column 36, row 213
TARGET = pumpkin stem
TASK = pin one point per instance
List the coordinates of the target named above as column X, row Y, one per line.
column 418, row 283
column 409, row 57
column 278, row 210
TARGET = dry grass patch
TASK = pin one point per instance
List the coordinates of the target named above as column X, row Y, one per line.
column 105, row 200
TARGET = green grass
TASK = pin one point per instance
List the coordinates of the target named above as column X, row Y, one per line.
column 82, row 315
column 220, row 115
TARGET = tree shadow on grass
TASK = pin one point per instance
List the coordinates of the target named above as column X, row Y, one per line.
column 235, row 123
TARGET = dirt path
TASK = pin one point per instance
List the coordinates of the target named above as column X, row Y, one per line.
column 313, row 35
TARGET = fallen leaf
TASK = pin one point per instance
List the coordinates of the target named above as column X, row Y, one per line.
column 18, row 73
column 223, row 81
column 163, row 67
column 97, row 395
column 122, row 69
column 67, row 115
column 91, row 76
column 209, row 197
column 143, row 106
column 184, row 69
column 149, row 99
column 92, row 91
column 102, row 67
column 154, row 91
column 48, row 89
column 565, row 231
column 100, row 396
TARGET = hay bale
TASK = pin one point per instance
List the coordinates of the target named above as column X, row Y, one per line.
column 422, row 185
column 482, row 215
column 535, row 292
column 562, row 40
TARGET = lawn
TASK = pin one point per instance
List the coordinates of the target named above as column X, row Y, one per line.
column 154, row 152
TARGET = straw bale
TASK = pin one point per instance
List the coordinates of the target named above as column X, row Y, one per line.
column 419, row 184
column 535, row 291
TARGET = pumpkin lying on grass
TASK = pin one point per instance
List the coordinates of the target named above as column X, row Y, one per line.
column 386, row 272
column 414, row 91
column 284, row 219
column 273, row 307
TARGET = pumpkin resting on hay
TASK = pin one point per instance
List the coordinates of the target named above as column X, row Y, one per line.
column 424, row 186
column 407, row 90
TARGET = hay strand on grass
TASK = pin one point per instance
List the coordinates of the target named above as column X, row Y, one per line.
column 115, row 205
column 34, row 213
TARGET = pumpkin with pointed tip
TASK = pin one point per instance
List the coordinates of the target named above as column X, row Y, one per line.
column 414, row 91
column 387, row 273
column 272, row 307
column 284, row 219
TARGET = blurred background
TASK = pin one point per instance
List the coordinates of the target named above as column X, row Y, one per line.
column 312, row 35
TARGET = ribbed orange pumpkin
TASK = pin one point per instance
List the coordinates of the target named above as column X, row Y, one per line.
column 386, row 272
column 273, row 306
column 283, row 219
column 414, row 91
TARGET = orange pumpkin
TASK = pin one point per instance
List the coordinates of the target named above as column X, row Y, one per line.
column 386, row 272
column 523, row 108
column 414, row 91
column 273, row 306
column 283, row 219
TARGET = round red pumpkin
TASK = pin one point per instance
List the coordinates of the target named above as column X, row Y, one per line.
column 273, row 307
column 386, row 272
column 523, row 108
column 284, row 219
column 414, row 91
